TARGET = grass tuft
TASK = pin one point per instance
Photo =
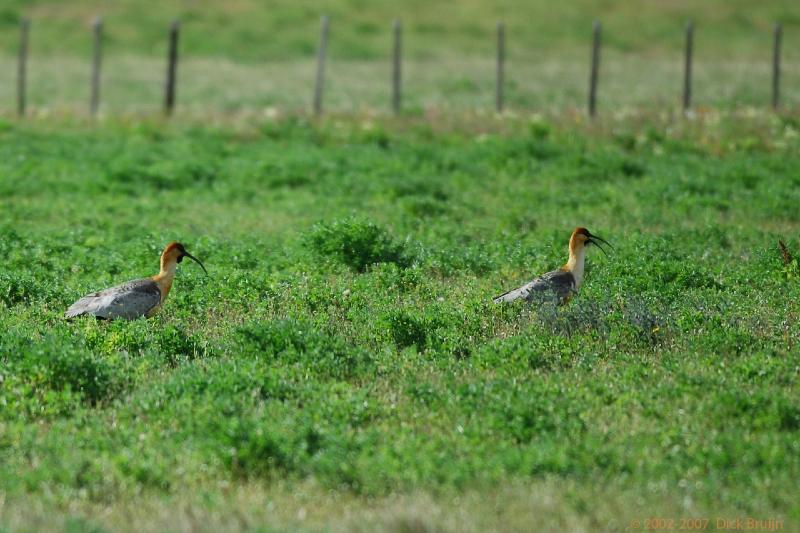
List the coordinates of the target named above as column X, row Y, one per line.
column 358, row 244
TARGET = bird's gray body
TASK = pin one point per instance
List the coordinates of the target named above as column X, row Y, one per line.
column 130, row 300
column 557, row 286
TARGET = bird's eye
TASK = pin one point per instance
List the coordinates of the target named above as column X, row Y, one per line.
column 180, row 258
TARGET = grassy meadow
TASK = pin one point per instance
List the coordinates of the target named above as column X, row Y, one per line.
column 343, row 368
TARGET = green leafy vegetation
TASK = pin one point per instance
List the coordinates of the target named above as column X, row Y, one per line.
column 344, row 350
column 357, row 244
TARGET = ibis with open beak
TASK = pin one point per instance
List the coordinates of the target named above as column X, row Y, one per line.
column 558, row 285
column 137, row 298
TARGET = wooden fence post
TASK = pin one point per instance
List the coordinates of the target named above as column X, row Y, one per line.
column 172, row 68
column 500, row 75
column 22, row 66
column 776, row 67
column 595, row 67
column 321, row 53
column 687, row 68
column 94, row 98
column 397, row 74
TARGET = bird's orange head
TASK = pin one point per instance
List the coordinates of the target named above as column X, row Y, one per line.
column 582, row 237
column 175, row 252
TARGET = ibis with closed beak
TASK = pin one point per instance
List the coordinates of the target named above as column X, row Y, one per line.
column 137, row 298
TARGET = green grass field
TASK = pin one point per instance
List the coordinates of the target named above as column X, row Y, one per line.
column 250, row 30
column 342, row 366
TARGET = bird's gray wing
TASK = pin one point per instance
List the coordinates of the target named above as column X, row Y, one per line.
column 557, row 285
column 130, row 300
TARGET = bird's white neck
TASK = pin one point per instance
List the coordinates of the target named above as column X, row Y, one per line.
column 168, row 269
column 575, row 265
column 165, row 277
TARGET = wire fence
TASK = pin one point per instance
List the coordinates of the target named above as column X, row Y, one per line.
column 230, row 86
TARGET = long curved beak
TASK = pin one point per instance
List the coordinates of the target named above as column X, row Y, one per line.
column 196, row 260
column 594, row 239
